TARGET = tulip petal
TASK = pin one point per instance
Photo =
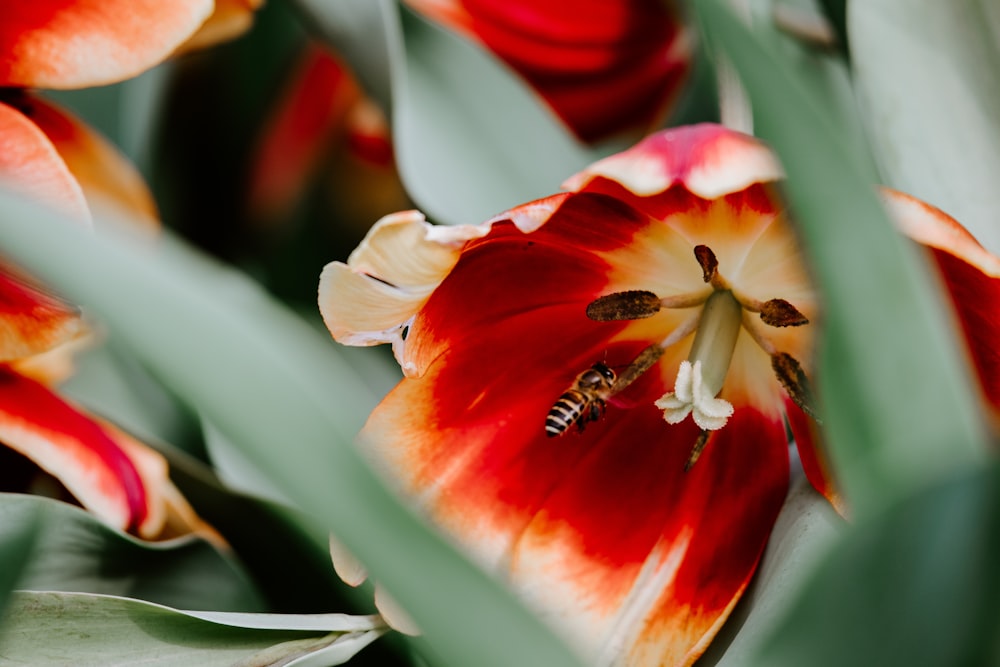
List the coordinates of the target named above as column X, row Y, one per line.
column 74, row 449
column 603, row 530
column 971, row 277
column 80, row 43
column 31, row 164
column 32, row 321
column 229, row 19
column 635, row 53
column 708, row 160
column 111, row 183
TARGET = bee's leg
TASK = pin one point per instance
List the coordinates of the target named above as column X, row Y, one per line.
column 597, row 409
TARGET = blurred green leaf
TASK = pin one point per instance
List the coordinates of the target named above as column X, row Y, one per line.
column 898, row 409
column 928, row 80
column 471, row 138
column 295, row 412
column 72, row 628
column 919, row 585
column 803, row 533
column 17, row 546
column 76, row 552
column 358, row 31
column 836, row 13
column 826, row 76
column 109, row 381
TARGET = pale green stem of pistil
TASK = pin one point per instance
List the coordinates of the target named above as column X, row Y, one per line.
column 713, row 346
column 700, row 378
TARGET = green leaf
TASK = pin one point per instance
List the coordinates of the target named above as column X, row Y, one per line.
column 75, row 552
column 471, row 138
column 79, row 629
column 803, row 533
column 259, row 380
column 827, row 76
column 358, row 30
column 897, row 403
column 928, row 80
column 17, row 547
column 918, row 585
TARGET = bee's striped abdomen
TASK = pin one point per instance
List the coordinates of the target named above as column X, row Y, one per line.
column 566, row 412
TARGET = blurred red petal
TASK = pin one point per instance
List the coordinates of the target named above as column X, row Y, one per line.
column 80, row 43
column 312, row 111
column 634, row 53
column 72, row 448
column 32, row 321
column 30, row 163
column 111, row 184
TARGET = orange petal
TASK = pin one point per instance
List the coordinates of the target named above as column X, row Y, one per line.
column 32, row 321
column 230, row 19
column 111, row 184
column 80, row 43
column 169, row 514
column 31, row 164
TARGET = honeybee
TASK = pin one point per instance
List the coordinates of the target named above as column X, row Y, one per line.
column 583, row 402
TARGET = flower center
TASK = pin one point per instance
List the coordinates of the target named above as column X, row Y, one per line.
column 700, row 379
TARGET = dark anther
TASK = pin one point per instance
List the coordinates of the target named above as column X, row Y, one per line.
column 630, row 305
column 780, row 313
column 405, row 332
column 794, row 380
column 699, row 447
column 706, row 258
column 639, row 365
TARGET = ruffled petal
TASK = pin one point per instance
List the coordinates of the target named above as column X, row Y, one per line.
column 32, row 320
column 80, row 43
column 229, row 19
column 111, row 184
column 30, row 163
column 708, row 160
column 634, row 52
column 388, row 278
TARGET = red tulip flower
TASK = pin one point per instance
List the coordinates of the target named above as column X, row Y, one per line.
column 633, row 526
column 604, row 67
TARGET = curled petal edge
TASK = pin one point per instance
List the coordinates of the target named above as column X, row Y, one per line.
column 708, row 160
column 935, row 228
column 386, row 281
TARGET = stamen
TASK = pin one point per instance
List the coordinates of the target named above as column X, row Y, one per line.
column 628, row 305
column 791, row 376
column 642, row 363
column 708, row 261
column 780, row 313
column 696, row 450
